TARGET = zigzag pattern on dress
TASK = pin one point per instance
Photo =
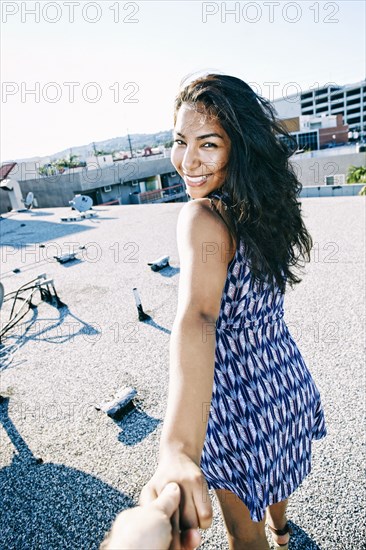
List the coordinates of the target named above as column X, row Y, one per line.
column 265, row 408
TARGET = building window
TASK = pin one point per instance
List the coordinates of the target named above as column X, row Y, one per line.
column 302, row 140
column 351, row 111
column 354, row 92
column 305, row 96
column 353, row 101
column 321, row 100
column 308, row 140
column 353, row 120
column 322, row 91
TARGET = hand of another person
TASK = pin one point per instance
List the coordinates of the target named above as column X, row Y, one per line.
column 148, row 527
column 195, row 509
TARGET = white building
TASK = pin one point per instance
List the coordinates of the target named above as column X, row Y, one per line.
column 348, row 100
column 99, row 161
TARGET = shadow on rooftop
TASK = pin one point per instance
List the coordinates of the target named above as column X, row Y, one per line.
column 42, row 213
column 48, row 505
column 152, row 323
column 54, row 330
column 18, row 233
column 136, row 426
column 300, row 540
column 168, row 271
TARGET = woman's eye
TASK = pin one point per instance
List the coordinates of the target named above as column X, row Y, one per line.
column 207, row 145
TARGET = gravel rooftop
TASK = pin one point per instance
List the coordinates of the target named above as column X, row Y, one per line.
column 69, row 360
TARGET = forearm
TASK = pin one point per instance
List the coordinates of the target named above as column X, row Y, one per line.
column 191, row 372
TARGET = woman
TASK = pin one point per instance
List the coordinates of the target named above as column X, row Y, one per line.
column 243, row 408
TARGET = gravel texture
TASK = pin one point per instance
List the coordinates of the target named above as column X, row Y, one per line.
column 89, row 466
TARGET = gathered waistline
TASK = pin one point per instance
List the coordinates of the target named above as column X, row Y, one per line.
column 255, row 322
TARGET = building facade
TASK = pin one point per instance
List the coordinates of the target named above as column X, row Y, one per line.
column 132, row 181
column 311, row 133
column 347, row 101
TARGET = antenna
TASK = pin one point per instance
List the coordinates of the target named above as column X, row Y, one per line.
column 82, row 203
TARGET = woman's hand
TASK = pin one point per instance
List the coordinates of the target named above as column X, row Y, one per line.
column 194, row 510
column 148, row 526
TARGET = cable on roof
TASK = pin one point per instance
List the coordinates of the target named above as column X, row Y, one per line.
column 48, row 294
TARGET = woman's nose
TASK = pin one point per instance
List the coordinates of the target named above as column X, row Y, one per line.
column 190, row 161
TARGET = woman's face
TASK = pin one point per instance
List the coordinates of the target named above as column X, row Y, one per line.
column 200, row 152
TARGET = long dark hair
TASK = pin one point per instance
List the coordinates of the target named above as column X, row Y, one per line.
column 260, row 181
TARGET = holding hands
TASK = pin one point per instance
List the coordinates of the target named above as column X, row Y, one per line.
column 172, row 505
column 194, row 510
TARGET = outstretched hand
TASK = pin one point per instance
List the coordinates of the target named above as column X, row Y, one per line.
column 194, row 510
column 154, row 526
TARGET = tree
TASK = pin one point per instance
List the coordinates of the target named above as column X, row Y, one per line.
column 102, row 152
column 70, row 162
column 356, row 174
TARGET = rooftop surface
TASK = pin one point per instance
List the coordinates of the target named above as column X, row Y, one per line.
column 69, row 360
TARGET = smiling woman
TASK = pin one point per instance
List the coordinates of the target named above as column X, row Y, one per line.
column 231, row 352
column 200, row 151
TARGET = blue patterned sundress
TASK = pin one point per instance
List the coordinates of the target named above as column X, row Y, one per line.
column 265, row 408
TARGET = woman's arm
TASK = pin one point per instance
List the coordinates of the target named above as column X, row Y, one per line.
column 205, row 248
column 192, row 359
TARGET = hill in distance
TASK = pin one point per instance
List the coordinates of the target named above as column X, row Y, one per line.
column 138, row 141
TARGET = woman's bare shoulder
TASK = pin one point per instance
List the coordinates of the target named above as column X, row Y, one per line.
column 199, row 211
column 201, row 217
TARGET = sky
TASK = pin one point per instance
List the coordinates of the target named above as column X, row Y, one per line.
column 74, row 72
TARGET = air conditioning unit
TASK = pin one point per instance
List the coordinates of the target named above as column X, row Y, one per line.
column 107, row 189
column 336, row 179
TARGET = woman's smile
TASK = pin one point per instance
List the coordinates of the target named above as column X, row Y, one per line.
column 195, row 181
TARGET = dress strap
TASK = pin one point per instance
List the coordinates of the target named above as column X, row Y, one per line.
column 222, row 195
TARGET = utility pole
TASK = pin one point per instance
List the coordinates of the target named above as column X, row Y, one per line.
column 95, row 153
column 129, row 141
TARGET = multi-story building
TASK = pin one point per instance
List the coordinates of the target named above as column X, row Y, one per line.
column 330, row 100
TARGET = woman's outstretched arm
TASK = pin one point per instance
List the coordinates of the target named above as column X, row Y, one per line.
column 205, row 248
column 192, row 358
